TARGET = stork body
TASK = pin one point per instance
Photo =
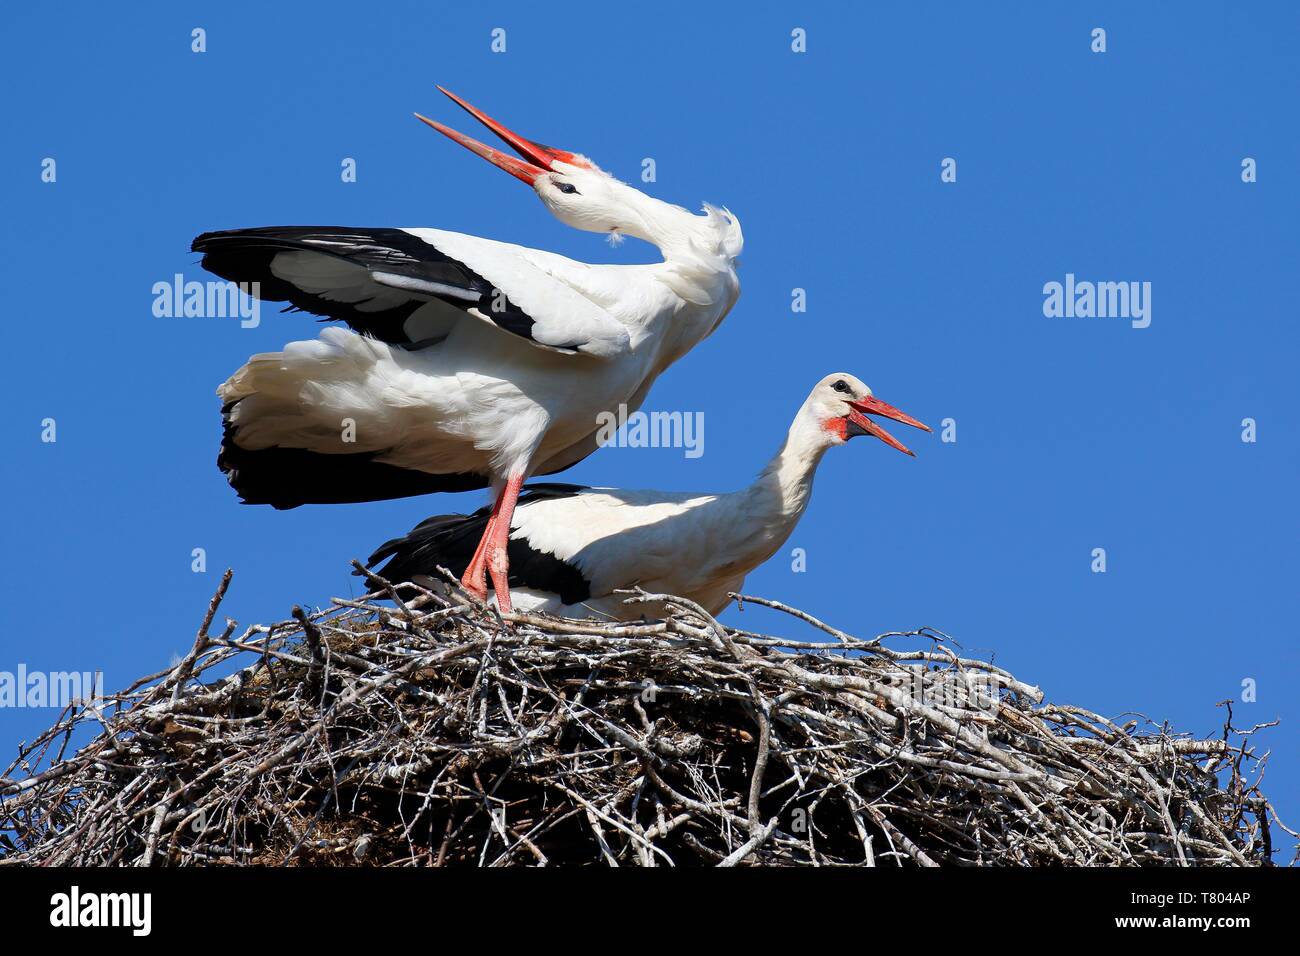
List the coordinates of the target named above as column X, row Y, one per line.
column 470, row 362
column 572, row 548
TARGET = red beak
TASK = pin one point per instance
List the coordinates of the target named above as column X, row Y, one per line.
column 874, row 406
column 537, row 158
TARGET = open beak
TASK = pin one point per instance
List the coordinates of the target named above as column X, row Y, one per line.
column 874, row 406
column 515, row 167
column 537, row 159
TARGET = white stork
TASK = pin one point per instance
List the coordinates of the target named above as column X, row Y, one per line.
column 472, row 362
column 572, row 548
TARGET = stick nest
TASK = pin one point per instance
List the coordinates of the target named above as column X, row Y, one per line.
column 432, row 732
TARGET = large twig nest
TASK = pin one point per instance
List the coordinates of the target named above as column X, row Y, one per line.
column 434, row 733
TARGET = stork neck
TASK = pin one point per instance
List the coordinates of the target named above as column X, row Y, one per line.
column 783, row 488
column 677, row 232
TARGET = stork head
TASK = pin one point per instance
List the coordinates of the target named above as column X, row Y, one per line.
column 573, row 188
column 840, row 404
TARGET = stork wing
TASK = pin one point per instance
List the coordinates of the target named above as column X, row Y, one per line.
column 449, row 541
column 409, row 286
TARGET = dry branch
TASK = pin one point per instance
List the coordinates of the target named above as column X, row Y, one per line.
column 435, row 733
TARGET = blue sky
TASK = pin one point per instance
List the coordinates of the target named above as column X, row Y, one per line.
column 1072, row 433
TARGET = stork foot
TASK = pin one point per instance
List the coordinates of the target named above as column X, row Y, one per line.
column 500, row 570
column 498, row 542
column 475, row 581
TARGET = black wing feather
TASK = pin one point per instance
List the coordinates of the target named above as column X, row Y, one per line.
column 288, row 477
column 245, row 256
column 449, row 541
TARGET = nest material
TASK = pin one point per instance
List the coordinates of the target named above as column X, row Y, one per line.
column 431, row 732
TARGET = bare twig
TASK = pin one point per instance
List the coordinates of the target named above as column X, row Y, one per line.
column 435, row 733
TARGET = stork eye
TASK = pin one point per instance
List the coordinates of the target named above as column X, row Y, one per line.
column 567, row 188
column 842, row 386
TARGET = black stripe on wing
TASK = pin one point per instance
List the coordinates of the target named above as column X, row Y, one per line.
column 401, row 273
column 288, row 477
column 449, row 541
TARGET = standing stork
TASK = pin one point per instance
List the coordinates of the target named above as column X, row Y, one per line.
column 573, row 548
column 471, row 362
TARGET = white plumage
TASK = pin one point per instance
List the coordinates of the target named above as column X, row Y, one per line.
column 698, row 546
column 476, row 398
column 473, row 362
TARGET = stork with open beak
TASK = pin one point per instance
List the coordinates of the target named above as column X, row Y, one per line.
column 471, row 362
column 573, row 548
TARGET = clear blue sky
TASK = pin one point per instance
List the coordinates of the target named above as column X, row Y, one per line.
column 1073, row 434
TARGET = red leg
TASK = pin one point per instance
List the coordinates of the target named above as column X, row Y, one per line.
column 498, row 556
column 474, row 580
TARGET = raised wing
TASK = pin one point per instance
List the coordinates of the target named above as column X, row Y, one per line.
column 410, row 286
